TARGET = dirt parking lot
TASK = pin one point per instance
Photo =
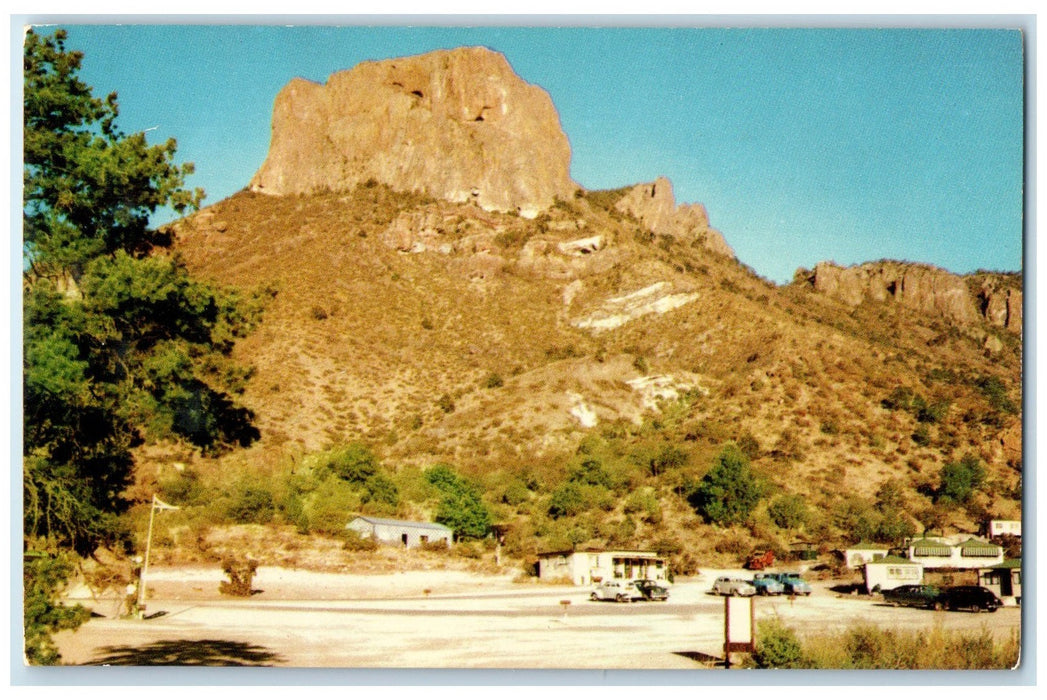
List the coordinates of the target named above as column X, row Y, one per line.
column 446, row 619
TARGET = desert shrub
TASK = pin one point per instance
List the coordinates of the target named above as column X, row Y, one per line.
column 788, row 511
column 959, row 480
column 381, row 494
column 866, row 646
column 250, row 502
column 733, row 543
column 493, row 381
column 515, row 493
column 921, row 435
column 855, row 517
column 566, row 500
column 355, row 542
column 241, row 574
column 327, row 509
column 445, row 403
column 777, row 646
column 644, row 501
column 590, row 472
column 669, row 457
column 184, row 488
column 354, row 463
column 729, row 491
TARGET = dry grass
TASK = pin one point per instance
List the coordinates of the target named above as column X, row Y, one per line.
column 364, row 342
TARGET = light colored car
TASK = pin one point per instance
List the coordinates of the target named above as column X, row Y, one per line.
column 616, row 590
column 725, row 585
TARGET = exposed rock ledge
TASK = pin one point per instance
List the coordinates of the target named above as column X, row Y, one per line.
column 620, row 310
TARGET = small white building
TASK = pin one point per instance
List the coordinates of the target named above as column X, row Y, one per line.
column 890, row 572
column 406, row 533
column 862, row 553
column 1005, row 580
column 593, row 566
column 970, row 553
column 1005, row 527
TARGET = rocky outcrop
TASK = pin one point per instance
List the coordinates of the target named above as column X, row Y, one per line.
column 457, row 125
column 654, row 299
column 1000, row 305
column 654, row 205
column 923, row 288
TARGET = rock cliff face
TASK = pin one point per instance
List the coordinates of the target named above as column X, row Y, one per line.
column 458, row 125
column 923, row 288
column 654, row 204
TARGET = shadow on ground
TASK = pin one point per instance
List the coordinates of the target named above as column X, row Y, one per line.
column 188, row 652
column 701, row 657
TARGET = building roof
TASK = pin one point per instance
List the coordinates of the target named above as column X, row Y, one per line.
column 1008, row 564
column 402, row 523
column 979, row 548
column 891, row 559
column 595, row 550
column 930, row 548
column 870, row 545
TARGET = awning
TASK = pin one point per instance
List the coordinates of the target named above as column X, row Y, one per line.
column 977, row 548
column 930, row 548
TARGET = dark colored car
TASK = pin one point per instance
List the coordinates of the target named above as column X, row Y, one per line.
column 651, row 590
column 973, row 598
column 916, row 595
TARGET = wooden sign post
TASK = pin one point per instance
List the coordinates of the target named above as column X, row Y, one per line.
column 739, row 626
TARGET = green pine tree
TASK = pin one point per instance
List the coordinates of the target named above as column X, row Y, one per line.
column 121, row 345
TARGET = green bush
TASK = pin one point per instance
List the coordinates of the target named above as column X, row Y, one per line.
column 250, row 502
column 184, row 488
column 959, row 480
column 493, row 381
column 461, row 507
column 777, row 646
column 354, row 463
column 788, row 511
column 727, row 494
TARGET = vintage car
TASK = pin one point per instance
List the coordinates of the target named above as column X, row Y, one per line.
column 652, row 590
column 767, row 584
column 725, row 585
column 916, row 595
column 974, row 598
column 617, row 590
column 793, row 584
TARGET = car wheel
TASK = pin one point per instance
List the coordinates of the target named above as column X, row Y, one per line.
column 621, row 598
column 594, row 597
column 938, row 605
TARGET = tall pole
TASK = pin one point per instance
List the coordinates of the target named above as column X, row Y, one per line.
column 145, row 564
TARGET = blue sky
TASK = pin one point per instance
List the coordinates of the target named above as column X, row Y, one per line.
column 804, row 144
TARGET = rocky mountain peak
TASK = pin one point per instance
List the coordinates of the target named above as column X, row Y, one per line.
column 458, row 125
column 654, row 205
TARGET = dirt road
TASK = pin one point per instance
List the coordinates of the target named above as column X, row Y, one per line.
column 453, row 620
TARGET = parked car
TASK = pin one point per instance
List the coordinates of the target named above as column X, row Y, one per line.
column 915, row 595
column 617, row 590
column 725, row 585
column 793, row 584
column 652, row 590
column 767, row 584
column 973, row 598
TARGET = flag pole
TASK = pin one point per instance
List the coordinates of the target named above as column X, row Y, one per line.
column 157, row 504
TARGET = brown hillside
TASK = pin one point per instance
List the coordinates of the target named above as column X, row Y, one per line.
column 501, row 317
